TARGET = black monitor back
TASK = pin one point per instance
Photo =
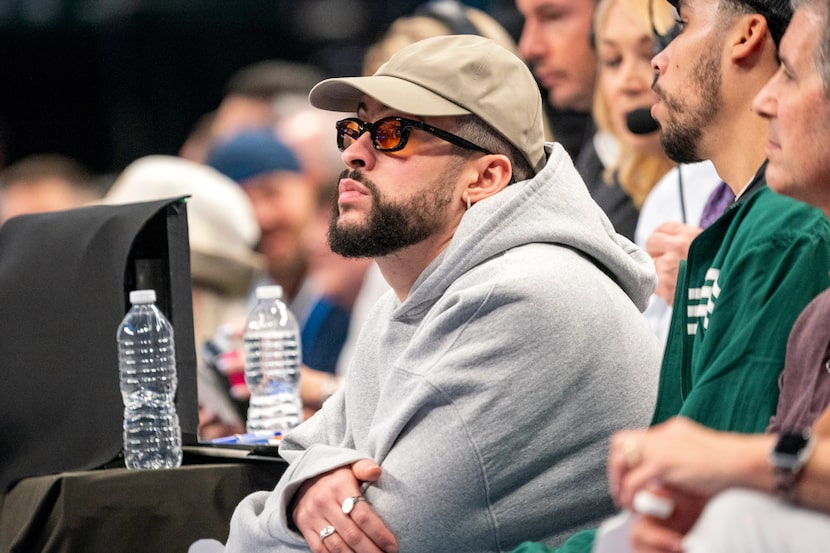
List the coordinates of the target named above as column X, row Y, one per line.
column 65, row 279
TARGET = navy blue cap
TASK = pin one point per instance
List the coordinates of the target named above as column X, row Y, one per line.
column 252, row 153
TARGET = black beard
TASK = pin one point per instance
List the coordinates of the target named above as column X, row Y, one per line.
column 681, row 140
column 390, row 227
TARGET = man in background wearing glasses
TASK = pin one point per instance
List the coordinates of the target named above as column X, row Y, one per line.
column 485, row 385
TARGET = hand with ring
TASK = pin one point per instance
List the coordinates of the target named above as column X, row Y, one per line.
column 350, row 502
column 624, row 454
column 332, row 515
column 680, row 455
column 326, row 532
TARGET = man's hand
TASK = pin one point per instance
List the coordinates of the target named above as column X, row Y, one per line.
column 212, row 426
column 680, row 454
column 651, row 535
column 668, row 244
column 319, row 504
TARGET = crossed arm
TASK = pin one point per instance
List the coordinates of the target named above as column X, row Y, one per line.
column 319, row 503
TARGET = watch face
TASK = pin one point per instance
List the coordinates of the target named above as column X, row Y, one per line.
column 790, row 451
column 790, row 444
column 788, row 458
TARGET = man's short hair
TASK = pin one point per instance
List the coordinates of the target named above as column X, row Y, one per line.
column 821, row 55
column 480, row 133
column 777, row 13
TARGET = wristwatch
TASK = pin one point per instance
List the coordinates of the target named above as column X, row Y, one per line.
column 788, row 457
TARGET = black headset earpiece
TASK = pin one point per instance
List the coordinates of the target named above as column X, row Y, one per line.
column 452, row 13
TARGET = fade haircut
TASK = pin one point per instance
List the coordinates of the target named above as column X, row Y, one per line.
column 770, row 10
column 474, row 129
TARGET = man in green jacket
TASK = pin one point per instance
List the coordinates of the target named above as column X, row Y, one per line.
column 749, row 275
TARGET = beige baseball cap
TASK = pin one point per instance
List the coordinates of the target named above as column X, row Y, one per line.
column 452, row 75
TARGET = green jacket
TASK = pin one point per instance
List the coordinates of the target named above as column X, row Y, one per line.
column 747, row 278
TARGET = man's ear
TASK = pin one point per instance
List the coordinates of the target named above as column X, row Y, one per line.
column 494, row 174
column 748, row 39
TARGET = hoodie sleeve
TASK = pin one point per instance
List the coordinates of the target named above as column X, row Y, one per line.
column 321, row 444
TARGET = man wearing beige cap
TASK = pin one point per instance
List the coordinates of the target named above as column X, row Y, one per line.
column 485, row 385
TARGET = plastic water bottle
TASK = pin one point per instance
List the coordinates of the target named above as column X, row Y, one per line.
column 147, row 363
column 272, row 364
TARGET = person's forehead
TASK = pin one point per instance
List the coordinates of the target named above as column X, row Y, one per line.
column 369, row 105
column 700, row 14
column 531, row 7
column 688, row 7
column 275, row 182
column 799, row 42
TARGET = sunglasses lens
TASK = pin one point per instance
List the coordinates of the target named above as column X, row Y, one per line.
column 348, row 132
column 388, row 134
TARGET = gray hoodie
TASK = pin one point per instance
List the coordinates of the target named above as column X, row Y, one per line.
column 489, row 394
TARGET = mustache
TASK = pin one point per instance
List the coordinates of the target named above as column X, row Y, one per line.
column 672, row 103
column 357, row 176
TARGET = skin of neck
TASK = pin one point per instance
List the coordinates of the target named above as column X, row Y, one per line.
column 737, row 146
column 737, row 140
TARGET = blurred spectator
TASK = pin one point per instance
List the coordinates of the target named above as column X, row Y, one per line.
column 46, row 182
column 252, row 95
column 199, row 141
column 283, row 201
column 253, row 99
column 557, row 41
column 625, row 45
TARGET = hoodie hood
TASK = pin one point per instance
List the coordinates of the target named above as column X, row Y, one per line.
column 554, row 207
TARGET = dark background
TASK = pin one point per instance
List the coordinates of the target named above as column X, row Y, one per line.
column 108, row 81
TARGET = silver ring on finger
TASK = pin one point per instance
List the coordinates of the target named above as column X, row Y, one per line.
column 350, row 502
column 326, row 532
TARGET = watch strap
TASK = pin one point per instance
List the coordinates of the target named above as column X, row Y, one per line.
column 788, row 457
column 785, row 480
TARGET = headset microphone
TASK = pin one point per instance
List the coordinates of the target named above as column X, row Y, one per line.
column 640, row 121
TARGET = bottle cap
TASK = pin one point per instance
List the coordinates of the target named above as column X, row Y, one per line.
column 142, row 296
column 272, row 292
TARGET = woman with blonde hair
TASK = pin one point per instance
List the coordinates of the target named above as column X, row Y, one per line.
column 625, row 44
